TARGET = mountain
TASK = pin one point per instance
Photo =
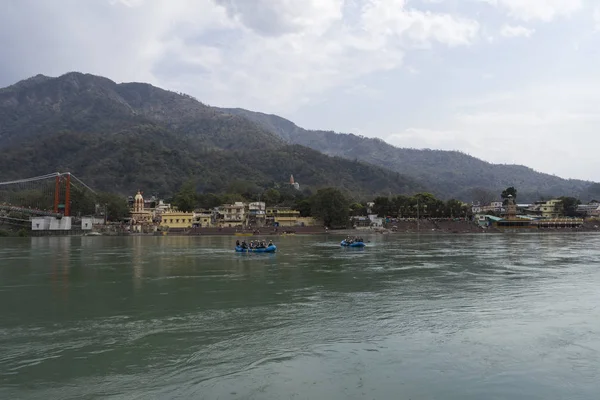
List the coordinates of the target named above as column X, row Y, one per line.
column 446, row 173
column 121, row 137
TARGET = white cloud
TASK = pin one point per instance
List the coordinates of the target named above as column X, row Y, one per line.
column 309, row 48
column 384, row 65
column 285, row 16
column 596, row 16
column 544, row 10
column 511, row 31
column 389, row 18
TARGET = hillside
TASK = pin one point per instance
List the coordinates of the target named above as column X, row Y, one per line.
column 446, row 173
column 121, row 137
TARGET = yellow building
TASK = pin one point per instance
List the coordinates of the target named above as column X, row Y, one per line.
column 550, row 209
column 177, row 220
column 307, row 221
column 283, row 216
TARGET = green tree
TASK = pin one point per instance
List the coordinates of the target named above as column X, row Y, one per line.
column 83, row 202
column 116, row 206
column 209, row 200
column 509, row 191
column 331, row 206
column 382, row 206
column 358, row 209
column 454, row 208
column 305, row 207
column 569, row 205
column 186, row 199
column 271, row 197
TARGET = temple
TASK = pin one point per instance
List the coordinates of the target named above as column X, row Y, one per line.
column 296, row 185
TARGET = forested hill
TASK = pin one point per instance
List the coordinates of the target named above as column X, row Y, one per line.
column 121, row 137
column 446, row 173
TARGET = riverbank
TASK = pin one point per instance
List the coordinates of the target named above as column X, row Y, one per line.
column 398, row 228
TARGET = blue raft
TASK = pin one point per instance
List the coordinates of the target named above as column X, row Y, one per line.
column 269, row 249
column 353, row 244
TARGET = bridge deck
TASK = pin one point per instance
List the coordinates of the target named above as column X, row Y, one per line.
column 33, row 211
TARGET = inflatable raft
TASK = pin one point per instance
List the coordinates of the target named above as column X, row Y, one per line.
column 353, row 244
column 269, row 249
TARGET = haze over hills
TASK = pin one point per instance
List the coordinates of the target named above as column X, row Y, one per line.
column 446, row 173
column 122, row 137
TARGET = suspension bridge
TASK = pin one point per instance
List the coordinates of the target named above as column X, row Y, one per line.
column 52, row 195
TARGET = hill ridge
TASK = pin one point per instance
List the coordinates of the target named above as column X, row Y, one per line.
column 121, row 136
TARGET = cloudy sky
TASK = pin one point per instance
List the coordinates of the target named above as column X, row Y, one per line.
column 508, row 81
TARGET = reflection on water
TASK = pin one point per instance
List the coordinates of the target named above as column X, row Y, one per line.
column 423, row 316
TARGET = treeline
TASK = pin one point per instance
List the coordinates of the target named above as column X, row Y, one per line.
column 419, row 205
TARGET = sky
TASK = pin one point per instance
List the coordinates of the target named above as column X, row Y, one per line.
column 507, row 81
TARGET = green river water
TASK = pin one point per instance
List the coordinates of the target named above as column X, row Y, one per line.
column 409, row 317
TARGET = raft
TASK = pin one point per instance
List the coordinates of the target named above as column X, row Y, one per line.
column 269, row 249
column 353, row 244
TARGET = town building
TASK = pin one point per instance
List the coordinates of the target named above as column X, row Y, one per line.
column 176, row 220
column 592, row 209
column 548, row 209
column 282, row 216
column 257, row 216
column 232, row 215
column 140, row 217
column 205, row 219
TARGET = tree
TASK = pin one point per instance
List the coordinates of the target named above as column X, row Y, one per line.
column 271, row 197
column 509, row 191
column 382, row 206
column 358, row 209
column 454, row 208
column 332, row 207
column 569, row 205
column 209, row 200
column 482, row 196
column 83, row 202
column 186, row 199
column 305, row 208
column 116, row 206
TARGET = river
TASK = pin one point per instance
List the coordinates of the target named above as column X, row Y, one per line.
column 409, row 317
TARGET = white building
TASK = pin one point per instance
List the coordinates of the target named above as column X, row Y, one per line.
column 51, row 223
column 257, row 214
column 232, row 215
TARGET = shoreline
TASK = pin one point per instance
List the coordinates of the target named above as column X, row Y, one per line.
column 424, row 227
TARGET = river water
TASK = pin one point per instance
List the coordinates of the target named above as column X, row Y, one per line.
column 409, row 317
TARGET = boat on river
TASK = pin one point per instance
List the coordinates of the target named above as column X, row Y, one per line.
column 269, row 249
column 352, row 244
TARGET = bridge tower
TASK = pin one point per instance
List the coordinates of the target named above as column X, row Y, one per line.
column 62, row 181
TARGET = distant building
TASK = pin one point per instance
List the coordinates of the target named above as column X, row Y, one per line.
column 204, row 219
column 591, row 209
column 232, row 215
column 176, row 220
column 256, row 214
column 139, row 215
column 283, row 216
column 548, row 209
